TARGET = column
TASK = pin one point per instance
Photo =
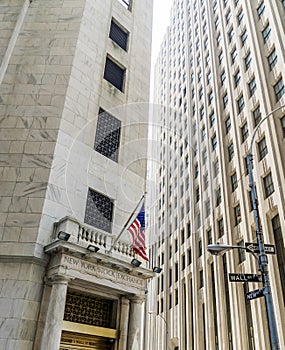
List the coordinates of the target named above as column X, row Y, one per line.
column 135, row 323
column 124, row 323
column 55, row 312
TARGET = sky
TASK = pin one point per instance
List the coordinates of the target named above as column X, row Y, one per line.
column 161, row 15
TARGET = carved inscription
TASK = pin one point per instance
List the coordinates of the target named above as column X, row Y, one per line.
column 102, row 272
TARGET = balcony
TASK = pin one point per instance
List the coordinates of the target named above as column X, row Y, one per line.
column 82, row 236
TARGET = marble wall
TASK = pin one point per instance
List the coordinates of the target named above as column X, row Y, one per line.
column 52, row 61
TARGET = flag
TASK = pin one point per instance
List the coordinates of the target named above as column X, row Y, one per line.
column 137, row 230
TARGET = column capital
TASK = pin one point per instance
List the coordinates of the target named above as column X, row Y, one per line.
column 60, row 279
column 137, row 299
column 124, row 300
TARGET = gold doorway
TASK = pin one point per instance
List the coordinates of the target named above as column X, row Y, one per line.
column 76, row 341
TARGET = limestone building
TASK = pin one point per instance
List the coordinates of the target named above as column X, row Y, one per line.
column 219, row 72
column 74, row 80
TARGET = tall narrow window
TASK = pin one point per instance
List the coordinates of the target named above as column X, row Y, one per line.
column 228, row 125
column 256, row 115
column 220, row 224
column 244, row 132
column 234, row 55
column 237, row 78
column 201, row 279
column 262, row 148
column 241, row 252
column 279, row 89
column 218, row 196
column 243, row 37
column 237, row 214
column 119, row 35
column 126, row 3
column 234, row 182
column 282, row 120
column 223, row 77
column 272, row 59
column 240, row 103
column 231, row 34
column 231, row 151
column 252, row 86
column 114, row 74
column 225, row 100
column 266, row 32
column 99, row 211
column 240, row 17
column 108, row 133
column 212, row 118
column 268, row 185
column 247, row 61
column 260, row 9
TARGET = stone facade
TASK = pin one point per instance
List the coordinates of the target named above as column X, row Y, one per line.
column 52, row 63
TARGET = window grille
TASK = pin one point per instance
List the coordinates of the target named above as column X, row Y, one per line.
column 108, row 133
column 99, row 211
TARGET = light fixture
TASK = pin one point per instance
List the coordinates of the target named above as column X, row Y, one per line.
column 64, row 236
column 219, row 249
column 93, row 248
column 136, row 262
column 157, row 269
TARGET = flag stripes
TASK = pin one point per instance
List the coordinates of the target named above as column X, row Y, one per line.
column 137, row 231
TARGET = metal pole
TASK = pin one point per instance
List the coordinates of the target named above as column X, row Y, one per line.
column 166, row 326
column 263, row 259
column 126, row 224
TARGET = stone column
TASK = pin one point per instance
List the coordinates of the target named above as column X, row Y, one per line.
column 55, row 312
column 124, row 323
column 135, row 323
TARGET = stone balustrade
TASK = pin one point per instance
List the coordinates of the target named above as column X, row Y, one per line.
column 84, row 235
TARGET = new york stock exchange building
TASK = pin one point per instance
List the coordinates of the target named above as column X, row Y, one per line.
column 92, row 299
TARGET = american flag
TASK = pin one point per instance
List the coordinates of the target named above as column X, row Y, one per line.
column 137, row 230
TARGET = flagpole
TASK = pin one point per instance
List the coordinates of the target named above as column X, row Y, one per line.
column 126, row 224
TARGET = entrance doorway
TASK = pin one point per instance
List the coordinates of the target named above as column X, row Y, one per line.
column 76, row 341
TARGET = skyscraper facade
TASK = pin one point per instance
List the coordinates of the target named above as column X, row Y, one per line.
column 219, row 72
column 74, row 83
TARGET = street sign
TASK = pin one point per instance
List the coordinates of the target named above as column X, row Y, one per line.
column 254, row 294
column 245, row 277
column 268, row 248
